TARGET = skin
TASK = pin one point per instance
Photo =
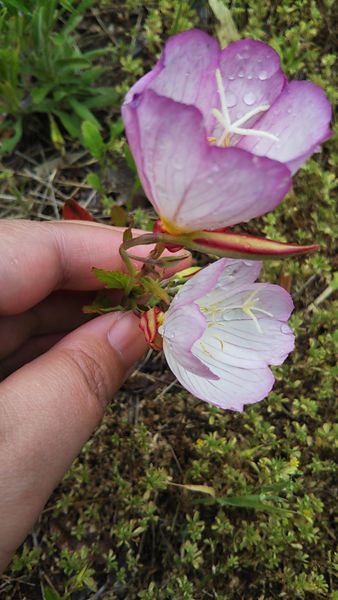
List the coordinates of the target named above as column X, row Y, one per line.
column 58, row 367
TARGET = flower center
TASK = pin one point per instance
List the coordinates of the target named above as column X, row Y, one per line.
column 215, row 311
column 223, row 118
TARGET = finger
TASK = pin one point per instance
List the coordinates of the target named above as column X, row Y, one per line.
column 60, row 312
column 48, row 410
column 37, row 258
column 32, row 348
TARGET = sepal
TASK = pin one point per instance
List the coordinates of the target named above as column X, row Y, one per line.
column 149, row 323
column 239, row 245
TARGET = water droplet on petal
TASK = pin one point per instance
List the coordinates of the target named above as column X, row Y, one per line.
column 242, row 55
column 249, row 98
column 241, row 74
column 263, row 75
column 249, row 76
column 231, row 77
column 285, row 329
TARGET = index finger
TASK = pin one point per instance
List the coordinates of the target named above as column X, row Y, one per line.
column 37, row 258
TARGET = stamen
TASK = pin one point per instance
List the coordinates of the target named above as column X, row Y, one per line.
column 248, row 307
column 251, row 113
column 250, row 314
column 256, row 132
column 265, row 312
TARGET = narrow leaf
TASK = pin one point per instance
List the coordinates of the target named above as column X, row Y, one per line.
column 204, row 489
column 92, row 140
column 226, row 30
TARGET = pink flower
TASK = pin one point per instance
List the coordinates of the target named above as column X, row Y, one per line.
column 217, row 133
column 222, row 331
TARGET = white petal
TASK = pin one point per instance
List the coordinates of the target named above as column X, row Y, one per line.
column 239, row 343
column 236, row 388
column 218, row 279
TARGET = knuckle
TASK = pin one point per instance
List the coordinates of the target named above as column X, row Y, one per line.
column 93, row 376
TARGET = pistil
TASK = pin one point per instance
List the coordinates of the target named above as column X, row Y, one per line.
column 223, row 117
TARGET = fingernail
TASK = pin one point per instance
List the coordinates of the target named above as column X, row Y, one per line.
column 127, row 339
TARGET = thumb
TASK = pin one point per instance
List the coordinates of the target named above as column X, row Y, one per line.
column 48, row 410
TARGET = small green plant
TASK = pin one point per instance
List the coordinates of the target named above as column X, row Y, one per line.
column 43, row 70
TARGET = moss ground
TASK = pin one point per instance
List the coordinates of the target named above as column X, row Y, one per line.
column 117, row 527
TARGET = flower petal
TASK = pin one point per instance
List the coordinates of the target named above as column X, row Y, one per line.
column 268, row 297
column 251, row 77
column 180, row 330
column 232, row 274
column 240, row 344
column 187, row 73
column 195, row 185
column 224, row 275
column 236, row 388
column 300, row 118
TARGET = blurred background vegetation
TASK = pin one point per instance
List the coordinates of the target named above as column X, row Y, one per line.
column 126, row 522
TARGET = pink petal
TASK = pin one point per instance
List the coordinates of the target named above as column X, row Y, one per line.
column 251, row 76
column 271, row 298
column 199, row 285
column 231, row 187
column 192, row 184
column 188, row 63
column 232, row 391
column 132, row 127
column 181, row 328
column 300, row 118
column 225, row 273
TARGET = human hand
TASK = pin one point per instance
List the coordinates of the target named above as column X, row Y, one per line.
column 55, row 384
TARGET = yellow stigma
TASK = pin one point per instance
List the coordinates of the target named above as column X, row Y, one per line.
column 171, row 227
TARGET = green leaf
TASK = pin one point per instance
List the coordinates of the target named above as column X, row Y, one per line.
column 72, row 63
column 71, row 24
column 19, row 5
column 251, row 501
column 102, row 97
column 94, row 180
column 92, row 140
column 70, row 122
column 39, row 93
column 130, row 160
column 113, row 280
column 50, row 594
column 7, row 145
column 83, row 112
column 116, row 129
